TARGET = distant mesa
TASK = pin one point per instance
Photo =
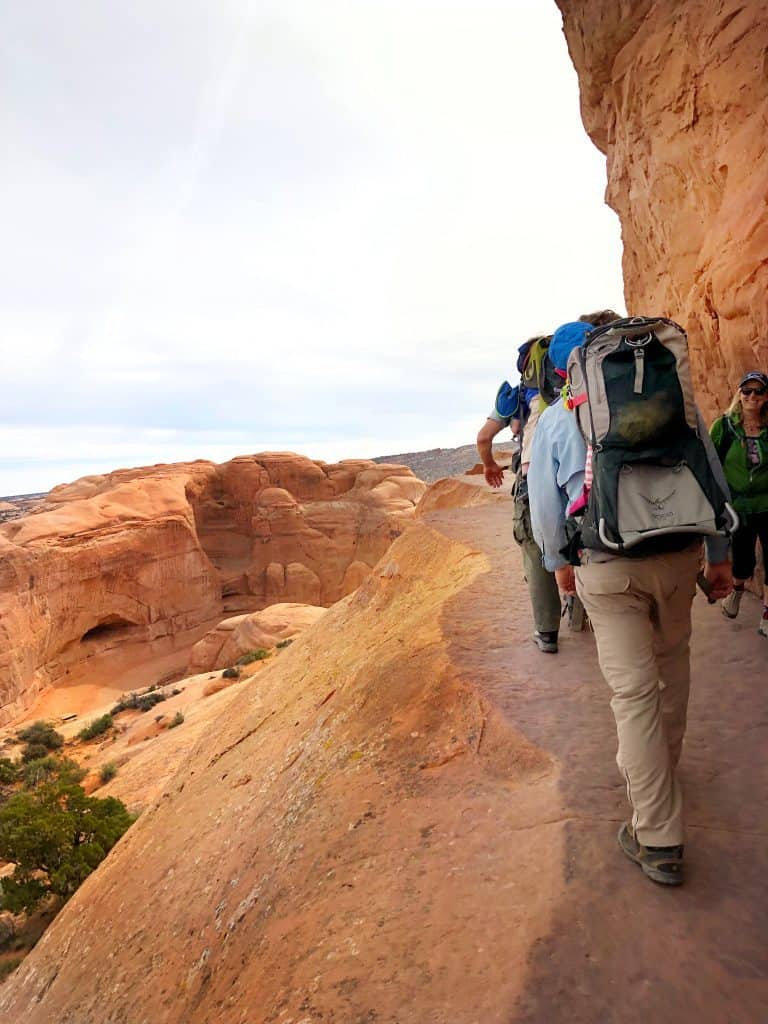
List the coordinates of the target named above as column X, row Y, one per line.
column 132, row 568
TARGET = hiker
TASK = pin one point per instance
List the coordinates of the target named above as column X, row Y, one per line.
column 636, row 573
column 510, row 411
column 741, row 439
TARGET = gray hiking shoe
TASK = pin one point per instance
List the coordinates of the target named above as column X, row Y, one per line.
column 730, row 604
column 662, row 864
column 546, row 642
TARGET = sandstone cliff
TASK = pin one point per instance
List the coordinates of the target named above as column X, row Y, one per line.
column 135, row 566
column 676, row 96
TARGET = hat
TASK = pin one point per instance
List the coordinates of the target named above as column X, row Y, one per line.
column 756, row 375
column 566, row 338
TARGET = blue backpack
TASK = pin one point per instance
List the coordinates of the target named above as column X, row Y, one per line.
column 508, row 401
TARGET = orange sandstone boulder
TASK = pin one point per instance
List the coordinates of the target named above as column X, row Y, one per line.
column 236, row 636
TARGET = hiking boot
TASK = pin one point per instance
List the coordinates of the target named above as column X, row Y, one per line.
column 730, row 604
column 662, row 864
column 546, row 642
column 762, row 629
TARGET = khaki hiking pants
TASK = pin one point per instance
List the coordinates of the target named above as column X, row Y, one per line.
column 640, row 609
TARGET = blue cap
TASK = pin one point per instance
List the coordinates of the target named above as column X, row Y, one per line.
column 755, row 375
column 566, row 338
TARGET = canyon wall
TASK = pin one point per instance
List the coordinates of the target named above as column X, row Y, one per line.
column 121, row 569
column 676, row 96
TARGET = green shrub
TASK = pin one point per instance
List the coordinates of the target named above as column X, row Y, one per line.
column 33, row 752
column 55, row 836
column 231, row 673
column 177, row 719
column 45, row 769
column 96, row 728
column 138, row 702
column 251, row 656
column 283, row 644
column 108, row 772
column 42, row 733
column 9, row 966
column 9, row 771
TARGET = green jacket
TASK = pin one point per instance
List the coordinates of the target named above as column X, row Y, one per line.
column 748, row 484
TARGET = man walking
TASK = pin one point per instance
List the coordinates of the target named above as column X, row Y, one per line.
column 542, row 589
column 640, row 610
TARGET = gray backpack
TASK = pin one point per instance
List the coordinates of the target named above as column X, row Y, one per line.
column 653, row 488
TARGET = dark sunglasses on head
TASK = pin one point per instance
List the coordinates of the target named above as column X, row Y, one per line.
column 755, row 391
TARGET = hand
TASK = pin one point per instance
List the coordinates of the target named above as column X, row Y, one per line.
column 566, row 580
column 494, row 474
column 720, row 579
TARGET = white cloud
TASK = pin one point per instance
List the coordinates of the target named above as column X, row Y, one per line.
column 330, row 223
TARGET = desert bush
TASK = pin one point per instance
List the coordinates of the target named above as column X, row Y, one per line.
column 34, row 752
column 251, row 656
column 108, row 772
column 138, row 702
column 231, row 673
column 42, row 733
column 96, row 728
column 177, row 719
column 8, row 966
column 55, row 836
column 35, row 773
column 9, row 771
column 283, row 644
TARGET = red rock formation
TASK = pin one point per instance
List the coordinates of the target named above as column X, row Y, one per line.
column 236, row 636
column 676, row 96
column 139, row 563
column 352, row 840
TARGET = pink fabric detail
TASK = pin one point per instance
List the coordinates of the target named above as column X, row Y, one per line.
column 580, row 503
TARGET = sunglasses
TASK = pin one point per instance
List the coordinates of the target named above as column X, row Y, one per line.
column 755, row 391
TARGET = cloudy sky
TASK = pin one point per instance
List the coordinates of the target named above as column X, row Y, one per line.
column 316, row 225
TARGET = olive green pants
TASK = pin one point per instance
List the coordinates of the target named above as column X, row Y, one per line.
column 542, row 586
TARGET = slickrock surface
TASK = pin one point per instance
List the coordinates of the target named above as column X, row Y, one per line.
column 415, row 822
column 124, row 570
column 676, row 95
column 236, row 636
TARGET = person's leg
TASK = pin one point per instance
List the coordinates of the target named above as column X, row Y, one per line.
column 620, row 613
column 744, row 561
column 674, row 580
column 762, row 533
column 542, row 586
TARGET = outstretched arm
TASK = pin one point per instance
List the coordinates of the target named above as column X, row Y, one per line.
column 492, row 471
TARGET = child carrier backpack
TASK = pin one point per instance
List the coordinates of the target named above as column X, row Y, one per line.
column 536, row 369
column 652, row 483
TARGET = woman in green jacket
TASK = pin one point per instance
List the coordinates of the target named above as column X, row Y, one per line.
column 741, row 440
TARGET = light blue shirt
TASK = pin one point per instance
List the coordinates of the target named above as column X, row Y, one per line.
column 555, row 479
